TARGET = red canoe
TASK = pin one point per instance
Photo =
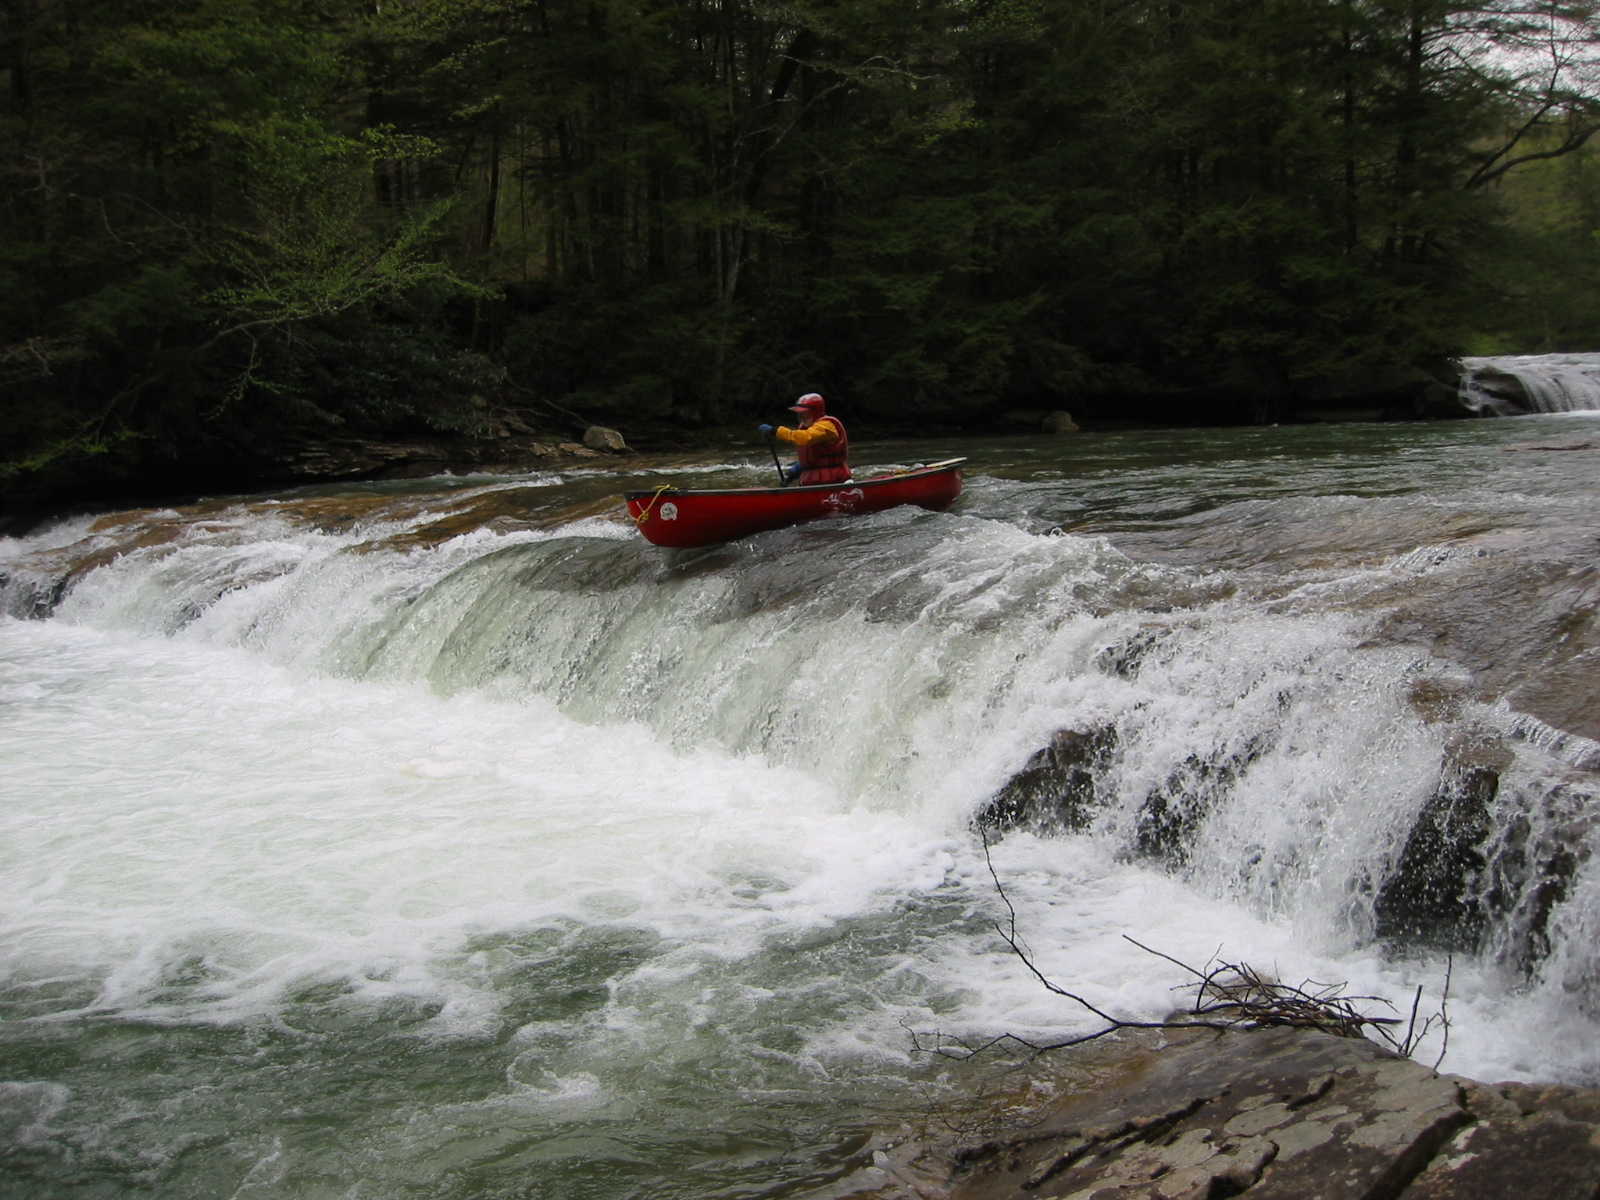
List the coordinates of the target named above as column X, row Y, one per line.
column 681, row 518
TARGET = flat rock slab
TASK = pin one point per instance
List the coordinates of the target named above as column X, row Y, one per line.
column 1273, row 1114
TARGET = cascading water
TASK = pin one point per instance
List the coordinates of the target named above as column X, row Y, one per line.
column 1509, row 385
column 449, row 842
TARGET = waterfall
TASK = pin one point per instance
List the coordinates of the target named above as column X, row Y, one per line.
column 1263, row 751
column 1538, row 383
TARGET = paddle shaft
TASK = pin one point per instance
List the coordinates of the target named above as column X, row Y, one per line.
column 772, row 444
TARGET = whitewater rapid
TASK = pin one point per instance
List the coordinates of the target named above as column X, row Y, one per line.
column 589, row 848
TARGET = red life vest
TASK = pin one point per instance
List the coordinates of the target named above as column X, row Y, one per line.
column 825, row 462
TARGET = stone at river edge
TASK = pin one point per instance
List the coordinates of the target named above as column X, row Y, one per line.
column 598, row 437
column 1267, row 1114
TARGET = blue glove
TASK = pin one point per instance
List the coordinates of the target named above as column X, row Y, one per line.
column 794, row 471
column 764, row 430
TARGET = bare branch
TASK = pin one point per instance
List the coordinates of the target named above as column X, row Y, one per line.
column 1575, row 140
column 1227, row 996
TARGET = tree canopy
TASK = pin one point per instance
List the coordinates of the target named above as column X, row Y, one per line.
column 229, row 225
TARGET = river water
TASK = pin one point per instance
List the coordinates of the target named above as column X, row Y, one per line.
column 445, row 839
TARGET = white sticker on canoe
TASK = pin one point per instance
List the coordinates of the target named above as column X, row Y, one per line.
column 843, row 501
column 669, row 511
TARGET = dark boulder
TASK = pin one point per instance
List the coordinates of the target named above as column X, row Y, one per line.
column 1435, row 894
column 1484, row 865
column 1055, row 791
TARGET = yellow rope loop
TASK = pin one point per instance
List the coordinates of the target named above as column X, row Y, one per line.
column 644, row 513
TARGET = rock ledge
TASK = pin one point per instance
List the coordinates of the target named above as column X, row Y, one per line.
column 1271, row 1114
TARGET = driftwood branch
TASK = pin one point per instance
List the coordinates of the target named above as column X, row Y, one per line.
column 1226, row 996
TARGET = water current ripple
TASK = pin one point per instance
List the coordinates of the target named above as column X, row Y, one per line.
column 447, row 840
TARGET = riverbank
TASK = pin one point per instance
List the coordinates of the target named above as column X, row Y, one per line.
column 141, row 472
column 1265, row 1114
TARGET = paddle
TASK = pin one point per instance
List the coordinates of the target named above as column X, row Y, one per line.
column 772, row 444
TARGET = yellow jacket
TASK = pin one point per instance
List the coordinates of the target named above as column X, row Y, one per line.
column 822, row 431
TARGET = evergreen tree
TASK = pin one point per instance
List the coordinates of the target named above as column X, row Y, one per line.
column 230, row 223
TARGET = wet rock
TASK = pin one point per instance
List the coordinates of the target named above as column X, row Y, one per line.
column 499, row 511
column 1437, row 701
column 1434, row 895
column 354, row 459
column 1173, row 812
column 33, row 586
column 1055, row 790
column 1270, row 1114
column 1482, row 861
column 1537, row 860
column 509, row 445
column 29, row 597
column 37, row 584
column 1522, row 620
column 1520, row 1133
column 1059, row 789
column 1123, row 659
column 1492, row 390
column 1059, row 422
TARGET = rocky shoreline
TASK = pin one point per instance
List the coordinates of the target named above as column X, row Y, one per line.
column 1266, row 1114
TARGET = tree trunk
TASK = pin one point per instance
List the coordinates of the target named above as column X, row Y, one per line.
column 491, row 203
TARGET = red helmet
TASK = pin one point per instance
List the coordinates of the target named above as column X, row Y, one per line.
column 809, row 403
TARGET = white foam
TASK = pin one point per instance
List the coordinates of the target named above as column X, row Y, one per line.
column 261, row 757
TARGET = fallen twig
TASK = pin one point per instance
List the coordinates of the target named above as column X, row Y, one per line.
column 1226, row 996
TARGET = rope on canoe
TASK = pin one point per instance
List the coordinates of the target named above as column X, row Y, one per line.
column 644, row 513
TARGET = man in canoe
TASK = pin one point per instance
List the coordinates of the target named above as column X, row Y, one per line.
column 820, row 443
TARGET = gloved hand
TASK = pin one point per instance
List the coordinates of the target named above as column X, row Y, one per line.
column 764, row 430
column 793, row 472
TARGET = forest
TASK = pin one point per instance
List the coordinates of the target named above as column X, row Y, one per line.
column 230, row 227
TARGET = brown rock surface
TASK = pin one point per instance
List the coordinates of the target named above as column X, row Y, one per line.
column 1273, row 1114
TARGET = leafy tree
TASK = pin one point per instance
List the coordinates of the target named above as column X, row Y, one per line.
column 228, row 225
column 1544, row 258
column 195, row 207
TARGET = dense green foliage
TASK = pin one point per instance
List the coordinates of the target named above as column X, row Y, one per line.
column 230, row 225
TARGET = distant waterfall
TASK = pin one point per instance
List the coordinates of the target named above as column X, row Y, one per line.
column 1513, row 385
